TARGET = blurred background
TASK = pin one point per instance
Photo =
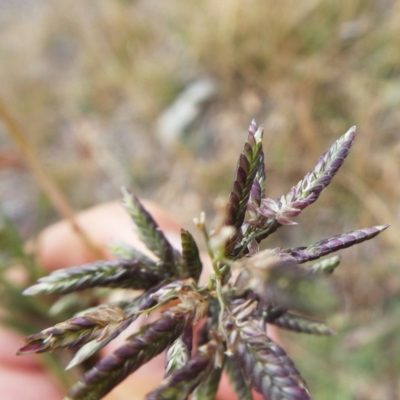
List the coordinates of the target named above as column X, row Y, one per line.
column 158, row 95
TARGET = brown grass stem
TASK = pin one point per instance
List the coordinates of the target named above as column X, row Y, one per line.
column 43, row 179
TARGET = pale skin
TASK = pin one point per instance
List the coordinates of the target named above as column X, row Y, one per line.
column 58, row 246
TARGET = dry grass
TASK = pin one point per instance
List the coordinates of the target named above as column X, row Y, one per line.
column 89, row 80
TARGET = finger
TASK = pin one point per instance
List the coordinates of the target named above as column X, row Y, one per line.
column 21, row 384
column 29, row 370
column 226, row 392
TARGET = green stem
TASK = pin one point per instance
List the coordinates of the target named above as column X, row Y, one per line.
column 220, row 299
column 149, row 310
column 210, row 250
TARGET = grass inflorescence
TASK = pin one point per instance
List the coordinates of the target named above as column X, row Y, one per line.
column 247, row 289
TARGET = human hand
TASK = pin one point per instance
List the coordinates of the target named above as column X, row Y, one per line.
column 58, row 246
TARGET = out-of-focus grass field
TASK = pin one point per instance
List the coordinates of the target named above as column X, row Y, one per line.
column 88, row 81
